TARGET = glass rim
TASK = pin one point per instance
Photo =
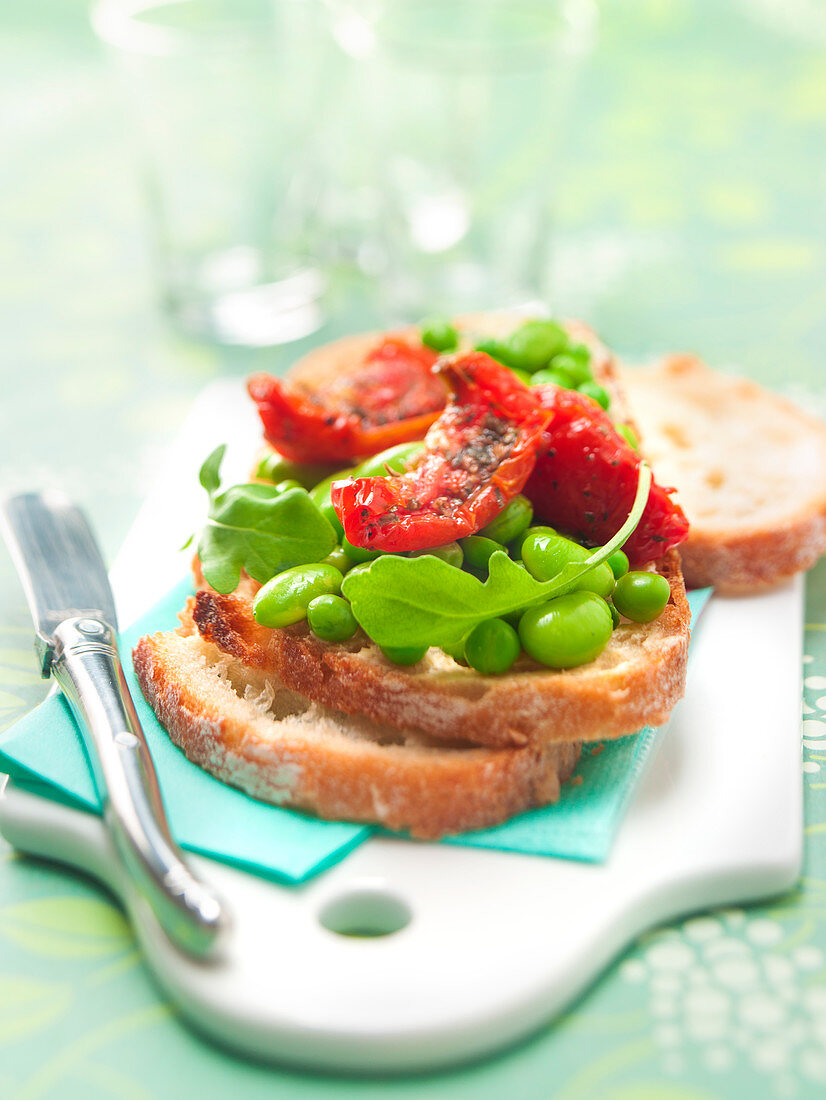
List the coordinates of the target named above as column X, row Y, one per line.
column 118, row 23
column 359, row 28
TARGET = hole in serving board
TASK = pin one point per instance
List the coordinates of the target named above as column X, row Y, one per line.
column 365, row 912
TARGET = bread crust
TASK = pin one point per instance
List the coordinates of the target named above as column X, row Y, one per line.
column 750, row 470
column 636, row 681
column 312, row 759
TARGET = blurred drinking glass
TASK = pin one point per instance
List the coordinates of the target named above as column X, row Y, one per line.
column 455, row 108
column 224, row 94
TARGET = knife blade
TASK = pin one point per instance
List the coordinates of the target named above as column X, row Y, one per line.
column 59, row 565
column 73, row 609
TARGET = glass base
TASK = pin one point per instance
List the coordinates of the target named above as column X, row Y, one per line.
column 259, row 315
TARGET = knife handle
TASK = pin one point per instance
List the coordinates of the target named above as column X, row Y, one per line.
column 87, row 667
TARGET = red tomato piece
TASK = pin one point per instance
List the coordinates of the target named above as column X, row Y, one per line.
column 392, row 397
column 586, row 479
column 478, row 456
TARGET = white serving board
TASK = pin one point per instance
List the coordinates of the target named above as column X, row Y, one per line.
column 498, row 943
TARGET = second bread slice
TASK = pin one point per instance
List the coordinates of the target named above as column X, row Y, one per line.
column 749, row 467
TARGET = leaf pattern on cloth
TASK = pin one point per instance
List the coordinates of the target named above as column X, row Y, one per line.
column 66, row 927
column 28, row 1006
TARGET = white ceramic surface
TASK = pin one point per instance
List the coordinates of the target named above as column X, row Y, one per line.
column 497, row 943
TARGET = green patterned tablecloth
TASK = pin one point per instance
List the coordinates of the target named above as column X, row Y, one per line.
column 691, row 215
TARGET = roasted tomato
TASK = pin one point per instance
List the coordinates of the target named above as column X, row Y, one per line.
column 585, row 481
column 391, row 397
column 478, row 455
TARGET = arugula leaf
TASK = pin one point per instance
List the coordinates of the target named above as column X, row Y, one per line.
column 424, row 601
column 256, row 528
column 210, row 472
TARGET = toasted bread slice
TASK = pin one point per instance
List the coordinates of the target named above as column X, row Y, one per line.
column 241, row 724
column 750, row 470
column 635, row 682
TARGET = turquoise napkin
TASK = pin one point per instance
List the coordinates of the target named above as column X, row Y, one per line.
column 44, row 753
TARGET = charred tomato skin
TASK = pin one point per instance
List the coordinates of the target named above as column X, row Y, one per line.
column 586, row 477
column 478, row 456
column 391, row 396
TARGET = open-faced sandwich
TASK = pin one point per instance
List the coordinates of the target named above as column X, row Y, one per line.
column 451, row 567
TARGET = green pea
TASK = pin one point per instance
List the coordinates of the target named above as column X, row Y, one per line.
column 275, row 468
column 629, row 435
column 287, row 484
column 320, row 496
column 600, row 580
column 534, row 343
column 555, row 377
column 404, row 655
column 397, row 459
column 285, row 597
column 492, row 647
column 451, row 552
column 438, row 333
column 320, row 493
column 496, row 349
column 511, row 521
column 618, row 562
column 515, row 546
column 328, row 511
column 272, row 467
column 578, row 368
column 338, row 558
column 641, row 597
column 457, row 653
column 478, row 550
column 524, row 376
column 597, row 393
column 615, row 616
column 567, row 631
column 331, row 618
column 546, row 554
column 580, row 352
column 359, row 554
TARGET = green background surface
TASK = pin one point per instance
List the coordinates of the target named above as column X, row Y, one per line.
column 690, row 215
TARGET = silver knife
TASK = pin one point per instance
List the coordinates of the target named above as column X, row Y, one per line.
column 73, row 609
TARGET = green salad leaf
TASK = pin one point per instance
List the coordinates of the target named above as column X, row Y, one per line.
column 256, row 528
column 424, row 601
column 210, row 472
